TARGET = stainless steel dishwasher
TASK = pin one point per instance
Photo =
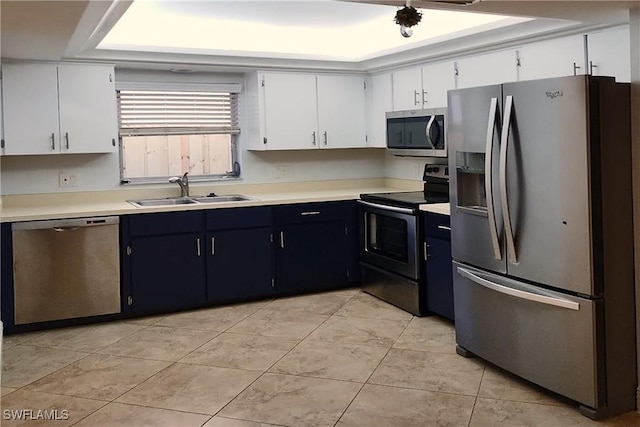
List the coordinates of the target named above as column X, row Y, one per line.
column 66, row 269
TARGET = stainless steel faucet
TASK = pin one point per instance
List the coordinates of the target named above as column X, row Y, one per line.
column 183, row 183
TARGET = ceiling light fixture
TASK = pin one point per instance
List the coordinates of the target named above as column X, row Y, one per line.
column 407, row 17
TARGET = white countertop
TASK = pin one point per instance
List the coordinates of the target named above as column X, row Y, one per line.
column 439, row 208
column 75, row 205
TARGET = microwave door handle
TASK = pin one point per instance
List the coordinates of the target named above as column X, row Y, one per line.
column 488, row 179
column 504, row 141
column 428, row 131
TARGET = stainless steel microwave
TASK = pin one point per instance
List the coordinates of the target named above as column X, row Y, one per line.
column 418, row 133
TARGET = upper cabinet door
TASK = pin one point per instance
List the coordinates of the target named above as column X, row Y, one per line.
column 380, row 102
column 437, row 79
column 88, row 112
column 609, row 54
column 30, row 98
column 552, row 58
column 407, row 89
column 289, row 111
column 341, row 112
column 487, row 69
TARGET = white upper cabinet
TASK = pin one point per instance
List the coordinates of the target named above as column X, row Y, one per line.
column 437, row 79
column 341, row 111
column 407, row 89
column 559, row 57
column 53, row 109
column 379, row 103
column 88, row 109
column 423, row 87
column 299, row 111
column 486, row 69
column 609, row 53
column 289, row 111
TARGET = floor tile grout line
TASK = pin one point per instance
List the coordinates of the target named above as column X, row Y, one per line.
column 51, row 373
column 473, row 408
column 372, row 372
column 274, row 363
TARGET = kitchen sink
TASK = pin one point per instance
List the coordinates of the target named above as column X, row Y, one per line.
column 219, row 199
column 176, row 201
column 162, row 202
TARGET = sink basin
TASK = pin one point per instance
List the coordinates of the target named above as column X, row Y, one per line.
column 175, row 201
column 162, row 202
column 219, row 199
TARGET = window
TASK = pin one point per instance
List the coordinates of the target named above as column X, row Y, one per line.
column 165, row 133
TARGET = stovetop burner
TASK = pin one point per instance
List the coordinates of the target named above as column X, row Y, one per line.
column 409, row 199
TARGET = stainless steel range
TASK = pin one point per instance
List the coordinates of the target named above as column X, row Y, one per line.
column 390, row 241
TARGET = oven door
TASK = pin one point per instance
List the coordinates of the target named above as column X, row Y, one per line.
column 389, row 238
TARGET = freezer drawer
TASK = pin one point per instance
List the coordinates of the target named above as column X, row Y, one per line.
column 543, row 336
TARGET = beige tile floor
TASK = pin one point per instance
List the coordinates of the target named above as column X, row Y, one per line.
column 339, row 358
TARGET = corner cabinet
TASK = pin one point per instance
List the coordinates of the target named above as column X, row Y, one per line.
column 59, row 109
column 298, row 111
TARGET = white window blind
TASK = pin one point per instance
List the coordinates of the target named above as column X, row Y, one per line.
column 152, row 112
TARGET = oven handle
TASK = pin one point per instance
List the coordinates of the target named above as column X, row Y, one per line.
column 387, row 207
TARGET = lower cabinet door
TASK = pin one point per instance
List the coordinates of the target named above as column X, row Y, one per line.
column 439, row 284
column 311, row 257
column 239, row 265
column 167, row 273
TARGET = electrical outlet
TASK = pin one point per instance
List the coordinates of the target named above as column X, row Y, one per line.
column 66, row 180
column 281, row 171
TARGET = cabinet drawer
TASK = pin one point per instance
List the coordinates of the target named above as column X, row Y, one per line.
column 225, row 219
column 166, row 223
column 436, row 225
column 310, row 212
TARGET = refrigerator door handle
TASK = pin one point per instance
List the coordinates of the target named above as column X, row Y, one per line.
column 488, row 179
column 504, row 141
column 529, row 296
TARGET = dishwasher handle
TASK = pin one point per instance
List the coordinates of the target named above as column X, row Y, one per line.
column 65, row 224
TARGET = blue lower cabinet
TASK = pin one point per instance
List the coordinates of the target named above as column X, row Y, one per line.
column 6, row 273
column 439, row 276
column 239, row 265
column 311, row 257
column 167, row 273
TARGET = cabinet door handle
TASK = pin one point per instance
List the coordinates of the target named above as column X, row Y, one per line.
column 282, row 239
column 576, row 67
column 213, row 246
column 198, row 246
column 444, row 227
column 325, row 138
column 425, row 247
column 310, row 213
column 53, row 141
column 66, row 137
column 591, row 67
column 424, row 96
column 313, row 138
column 415, row 97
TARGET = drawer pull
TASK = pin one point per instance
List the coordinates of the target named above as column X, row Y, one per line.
column 444, row 227
column 310, row 213
column 517, row 293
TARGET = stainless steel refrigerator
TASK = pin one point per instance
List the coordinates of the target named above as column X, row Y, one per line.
column 542, row 236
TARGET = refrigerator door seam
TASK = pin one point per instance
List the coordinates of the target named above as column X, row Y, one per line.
column 504, row 140
column 557, row 302
column 488, row 180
